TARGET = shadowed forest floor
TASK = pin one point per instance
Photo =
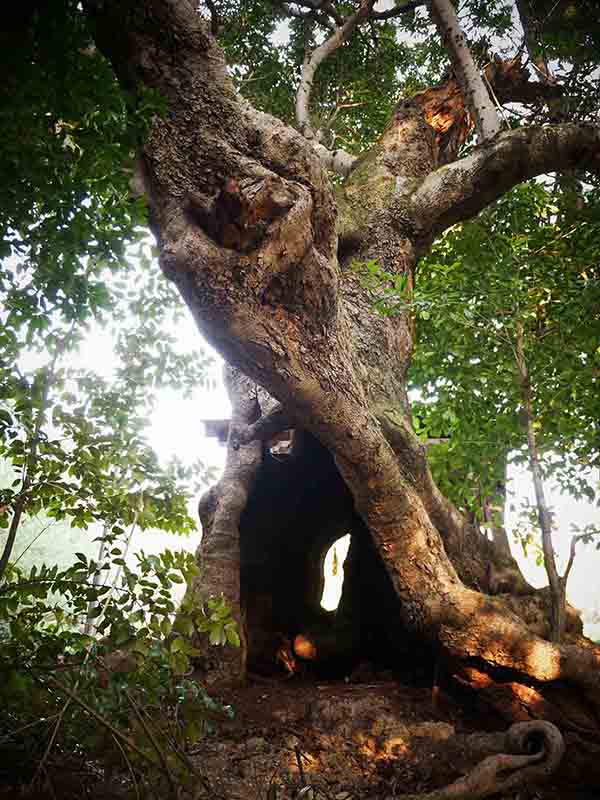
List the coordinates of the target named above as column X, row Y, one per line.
column 364, row 738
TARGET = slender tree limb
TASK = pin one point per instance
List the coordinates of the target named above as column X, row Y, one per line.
column 458, row 191
column 319, row 55
column 337, row 160
column 557, row 585
column 574, row 540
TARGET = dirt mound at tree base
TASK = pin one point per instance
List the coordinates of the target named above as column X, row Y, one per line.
column 371, row 741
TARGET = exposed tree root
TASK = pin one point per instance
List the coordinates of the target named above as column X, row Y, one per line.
column 533, row 752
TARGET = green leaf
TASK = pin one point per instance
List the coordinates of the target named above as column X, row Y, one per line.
column 216, row 635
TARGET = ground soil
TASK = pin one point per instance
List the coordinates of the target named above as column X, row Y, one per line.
column 347, row 740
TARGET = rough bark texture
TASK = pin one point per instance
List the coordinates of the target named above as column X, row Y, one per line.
column 220, row 514
column 247, row 226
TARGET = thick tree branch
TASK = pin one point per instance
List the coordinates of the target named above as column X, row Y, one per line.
column 458, row 191
column 338, row 161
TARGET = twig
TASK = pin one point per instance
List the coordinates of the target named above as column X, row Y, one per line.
column 41, row 766
column 12, row 734
column 33, row 541
column 300, row 767
column 128, row 762
column 99, row 718
column 494, row 96
column 149, row 733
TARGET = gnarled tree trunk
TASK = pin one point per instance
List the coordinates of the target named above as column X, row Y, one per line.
column 247, row 225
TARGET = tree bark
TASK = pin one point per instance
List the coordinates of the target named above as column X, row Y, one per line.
column 247, row 225
column 479, row 102
column 220, row 513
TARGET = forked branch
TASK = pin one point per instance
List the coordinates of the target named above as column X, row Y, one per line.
column 338, row 161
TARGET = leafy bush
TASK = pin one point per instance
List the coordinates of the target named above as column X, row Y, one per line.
column 100, row 674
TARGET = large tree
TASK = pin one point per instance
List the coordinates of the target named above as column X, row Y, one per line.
column 260, row 226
